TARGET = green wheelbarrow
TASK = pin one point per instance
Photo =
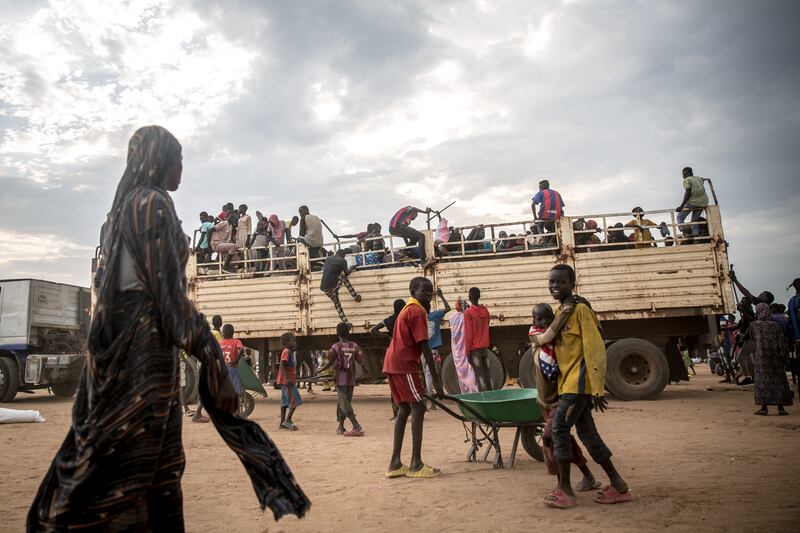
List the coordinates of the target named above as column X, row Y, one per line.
column 485, row 413
column 250, row 384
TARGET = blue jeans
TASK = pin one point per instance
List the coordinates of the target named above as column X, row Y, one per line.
column 695, row 212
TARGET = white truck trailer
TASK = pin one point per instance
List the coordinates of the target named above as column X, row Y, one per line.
column 43, row 329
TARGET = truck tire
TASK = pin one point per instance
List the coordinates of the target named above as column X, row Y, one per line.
column 531, row 438
column 526, row 375
column 450, row 378
column 65, row 389
column 637, row 370
column 9, row 379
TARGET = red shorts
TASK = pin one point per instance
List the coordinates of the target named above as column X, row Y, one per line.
column 406, row 388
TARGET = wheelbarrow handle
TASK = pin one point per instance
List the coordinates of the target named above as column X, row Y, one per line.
column 461, row 404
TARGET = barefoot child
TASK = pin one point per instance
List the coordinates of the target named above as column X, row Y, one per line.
column 343, row 357
column 402, row 366
column 581, row 357
column 287, row 379
column 545, row 373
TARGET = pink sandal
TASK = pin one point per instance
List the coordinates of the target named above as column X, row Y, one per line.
column 610, row 495
column 559, row 499
column 354, row 433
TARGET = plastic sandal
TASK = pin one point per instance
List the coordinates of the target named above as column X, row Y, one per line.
column 610, row 495
column 399, row 472
column 424, row 472
column 559, row 499
column 354, row 433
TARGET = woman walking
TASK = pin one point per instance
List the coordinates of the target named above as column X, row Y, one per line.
column 120, row 466
column 464, row 372
column 771, row 384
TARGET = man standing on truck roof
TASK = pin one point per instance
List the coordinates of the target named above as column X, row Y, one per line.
column 694, row 201
column 476, row 320
column 399, row 226
column 310, row 232
column 551, row 207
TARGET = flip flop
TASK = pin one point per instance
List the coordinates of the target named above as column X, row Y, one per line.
column 761, row 412
column 398, row 472
column 783, row 413
column 201, row 420
column 188, row 413
column 354, row 433
column 610, row 495
column 424, row 472
column 595, row 485
column 559, row 499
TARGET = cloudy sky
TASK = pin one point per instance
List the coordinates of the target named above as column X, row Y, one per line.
column 357, row 108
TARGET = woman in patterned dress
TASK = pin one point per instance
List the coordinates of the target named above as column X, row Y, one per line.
column 771, row 354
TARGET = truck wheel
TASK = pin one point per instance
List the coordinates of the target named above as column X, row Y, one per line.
column 9, row 379
column 637, row 370
column 532, row 442
column 496, row 371
column 526, row 376
column 449, row 376
column 65, row 389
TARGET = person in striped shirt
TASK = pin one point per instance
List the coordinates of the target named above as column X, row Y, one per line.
column 551, row 207
column 399, row 226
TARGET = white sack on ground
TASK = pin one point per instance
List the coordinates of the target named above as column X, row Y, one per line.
column 17, row 416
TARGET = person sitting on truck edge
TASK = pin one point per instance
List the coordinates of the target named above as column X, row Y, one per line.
column 310, row 232
column 221, row 238
column 641, row 232
column 581, row 356
column 410, row 340
column 232, row 350
column 551, row 207
column 541, row 334
column 399, row 226
column 343, row 356
column 334, row 275
column 435, row 342
column 287, row 379
column 476, row 320
column 694, row 201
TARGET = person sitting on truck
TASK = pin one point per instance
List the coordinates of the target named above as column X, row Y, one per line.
column 545, row 374
column 221, row 239
column 641, row 232
column 121, row 463
column 695, row 200
column 343, row 356
column 409, row 343
column 399, row 226
column 232, row 350
column 616, row 236
column 310, row 232
column 581, row 356
column 335, row 273
column 223, row 215
column 551, row 207
column 476, row 319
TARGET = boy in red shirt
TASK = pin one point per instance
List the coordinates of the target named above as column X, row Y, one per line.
column 231, row 350
column 402, row 366
column 343, row 356
column 287, row 379
column 476, row 321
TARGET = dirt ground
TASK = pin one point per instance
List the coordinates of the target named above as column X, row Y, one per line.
column 695, row 459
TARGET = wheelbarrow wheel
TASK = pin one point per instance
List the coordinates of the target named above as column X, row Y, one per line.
column 246, row 404
column 532, row 441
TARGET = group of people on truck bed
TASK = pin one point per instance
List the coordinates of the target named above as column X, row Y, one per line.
column 267, row 244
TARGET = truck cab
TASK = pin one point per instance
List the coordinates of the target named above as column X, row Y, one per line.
column 42, row 336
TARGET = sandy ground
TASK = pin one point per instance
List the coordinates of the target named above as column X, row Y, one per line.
column 695, row 459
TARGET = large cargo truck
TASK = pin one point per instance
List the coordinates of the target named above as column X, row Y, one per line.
column 43, row 329
column 649, row 296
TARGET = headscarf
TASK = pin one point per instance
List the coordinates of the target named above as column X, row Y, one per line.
column 277, row 227
column 763, row 312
